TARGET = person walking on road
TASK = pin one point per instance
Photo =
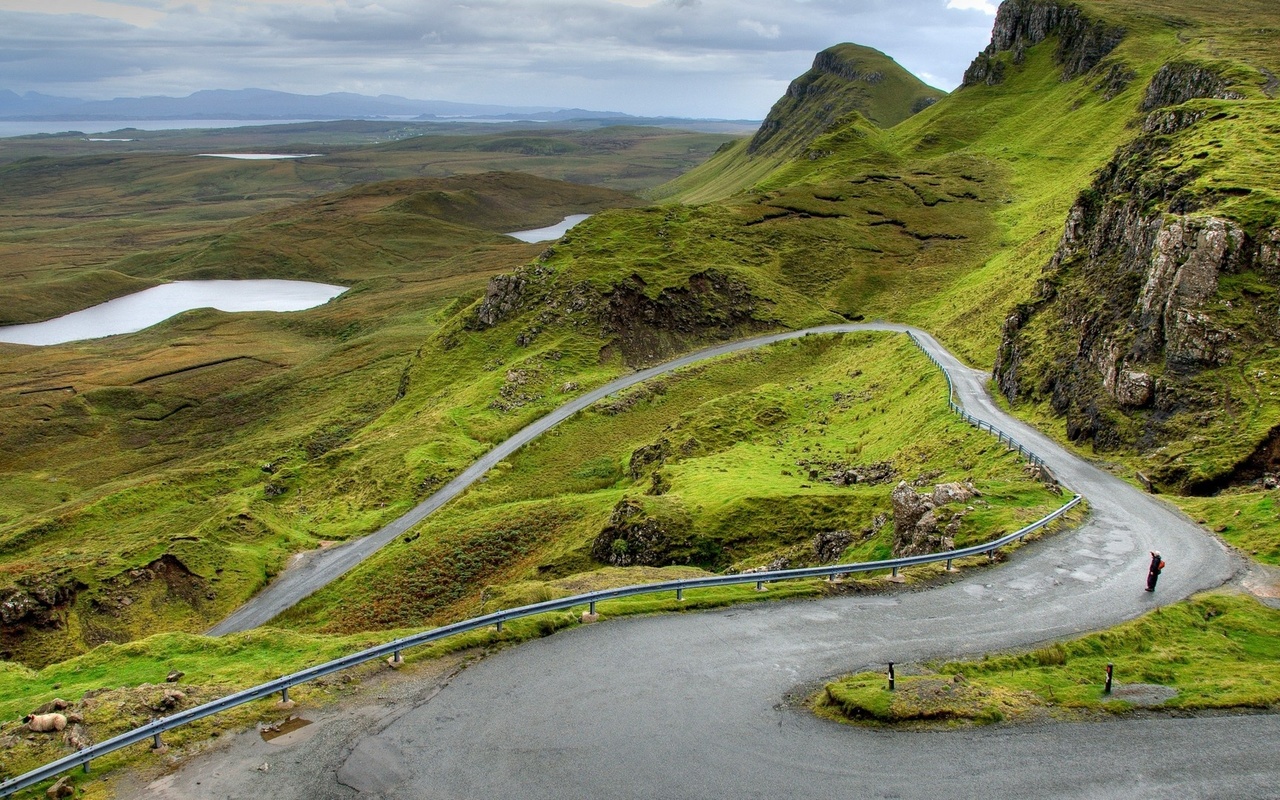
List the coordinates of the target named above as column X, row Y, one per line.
column 1153, row 574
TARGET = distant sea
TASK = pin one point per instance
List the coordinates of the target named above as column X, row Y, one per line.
column 97, row 126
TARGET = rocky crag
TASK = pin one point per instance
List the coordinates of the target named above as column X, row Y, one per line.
column 1020, row 24
column 1159, row 296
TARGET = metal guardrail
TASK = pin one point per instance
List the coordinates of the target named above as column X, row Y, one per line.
column 281, row 685
column 980, row 424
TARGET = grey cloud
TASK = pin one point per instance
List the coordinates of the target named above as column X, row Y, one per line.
column 703, row 57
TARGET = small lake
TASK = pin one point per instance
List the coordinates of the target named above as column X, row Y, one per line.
column 550, row 232
column 143, row 309
column 258, row 156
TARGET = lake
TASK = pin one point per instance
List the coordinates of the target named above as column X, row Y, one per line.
column 257, row 156
column 550, row 232
column 143, row 309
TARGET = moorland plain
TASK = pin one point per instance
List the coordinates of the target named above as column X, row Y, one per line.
column 87, row 221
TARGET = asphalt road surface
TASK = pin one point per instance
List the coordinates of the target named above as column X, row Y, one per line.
column 695, row 705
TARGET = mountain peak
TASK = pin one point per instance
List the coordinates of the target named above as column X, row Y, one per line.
column 844, row 78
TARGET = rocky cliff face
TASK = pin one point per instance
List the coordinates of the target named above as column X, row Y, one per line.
column 1131, row 310
column 1082, row 42
column 1176, row 83
column 711, row 306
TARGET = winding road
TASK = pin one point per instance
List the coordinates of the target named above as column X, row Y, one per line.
column 694, row 705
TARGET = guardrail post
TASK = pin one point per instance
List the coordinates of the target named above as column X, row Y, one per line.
column 591, row 608
column 759, row 586
column 86, row 767
column 499, row 626
column 679, row 592
column 991, row 555
column 949, row 567
column 155, row 741
column 284, row 695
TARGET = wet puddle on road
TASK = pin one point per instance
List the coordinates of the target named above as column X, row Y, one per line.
column 279, row 729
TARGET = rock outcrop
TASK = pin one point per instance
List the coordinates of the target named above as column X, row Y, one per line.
column 35, row 601
column 646, row 457
column 647, row 329
column 1176, row 83
column 1130, row 309
column 922, row 523
column 1020, row 24
column 828, row 545
column 839, row 473
column 641, row 533
column 507, row 294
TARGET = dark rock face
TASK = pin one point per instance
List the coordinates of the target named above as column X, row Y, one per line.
column 638, row 535
column 840, row 473
column 648, row 456
column 506, row 295
column 1131, row 302
column 37, row 600
column 828, row 545
column 648, row 329
column 1020, row 24
column 1115, row 80
column 1176, row 83
column 921, row 103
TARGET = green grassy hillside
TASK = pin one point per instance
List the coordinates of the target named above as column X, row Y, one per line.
column 723, row 466
column 131, row 464
column 179, row 469
column 848, row 82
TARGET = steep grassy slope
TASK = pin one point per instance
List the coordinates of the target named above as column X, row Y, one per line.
column 1116, row 123
column 1106, row 176
column 1152, row 328
column 731, row 465
column 847, row 82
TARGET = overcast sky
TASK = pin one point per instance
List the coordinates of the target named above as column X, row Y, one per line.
column 698, row 58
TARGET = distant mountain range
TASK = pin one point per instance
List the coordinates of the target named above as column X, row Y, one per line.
column 263, row 104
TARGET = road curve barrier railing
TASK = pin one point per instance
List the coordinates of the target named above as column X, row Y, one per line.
column 280, row 686
column 980, row 424
column 395, row 648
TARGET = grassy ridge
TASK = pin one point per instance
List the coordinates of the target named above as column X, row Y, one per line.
column 750, row 443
